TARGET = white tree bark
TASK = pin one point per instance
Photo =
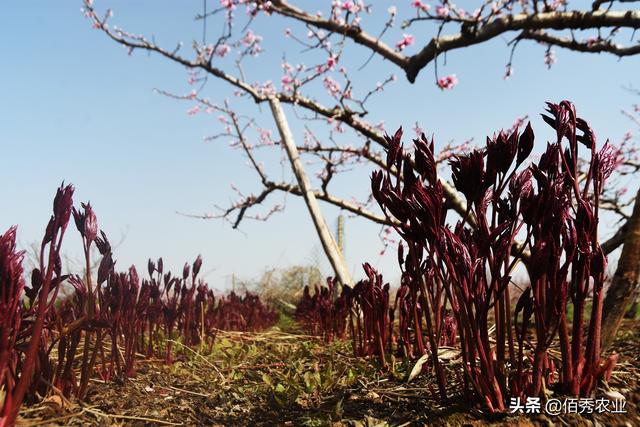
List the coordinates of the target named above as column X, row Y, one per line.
column 326, row 238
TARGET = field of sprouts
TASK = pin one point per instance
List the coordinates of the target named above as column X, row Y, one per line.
column 284, row 377
column 457, row 343
column 480, row 280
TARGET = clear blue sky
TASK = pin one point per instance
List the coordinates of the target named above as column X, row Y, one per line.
column 75, row 107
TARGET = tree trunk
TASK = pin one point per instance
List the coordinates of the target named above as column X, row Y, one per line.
column 624, row 286
column 326, row 238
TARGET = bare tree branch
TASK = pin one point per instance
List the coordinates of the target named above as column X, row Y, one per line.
column 533, row 25
column 595, row 46
column 353, row 32
column 469, row 36
column 474, row 32
column 341, row 203
column 597, row 3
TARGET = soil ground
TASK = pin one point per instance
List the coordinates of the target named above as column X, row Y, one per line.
column 283, row 377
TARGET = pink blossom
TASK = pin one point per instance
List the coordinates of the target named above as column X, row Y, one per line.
column 193, row 77
column 251, row 9
column 442, row 11
column 392, row 10
column 253, row 42
column 193, row 110
column 228, row 4
column 336, row 10
column 447, row 82
column 265, row 89
column 557, row 4
column 250, row 38
column 349, row 6
column 265, row 136
column 407, row 40
column 223, row 50
column 331, row 61
column 266, row 7
column 287, row 82
column 591, row 41
column 420, row 5
column 332, row 86
column 287, row 32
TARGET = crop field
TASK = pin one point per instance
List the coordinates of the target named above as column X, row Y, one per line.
column 320, row 213
column 284, row 377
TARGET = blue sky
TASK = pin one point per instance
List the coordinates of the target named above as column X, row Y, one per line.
column 75, row 107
